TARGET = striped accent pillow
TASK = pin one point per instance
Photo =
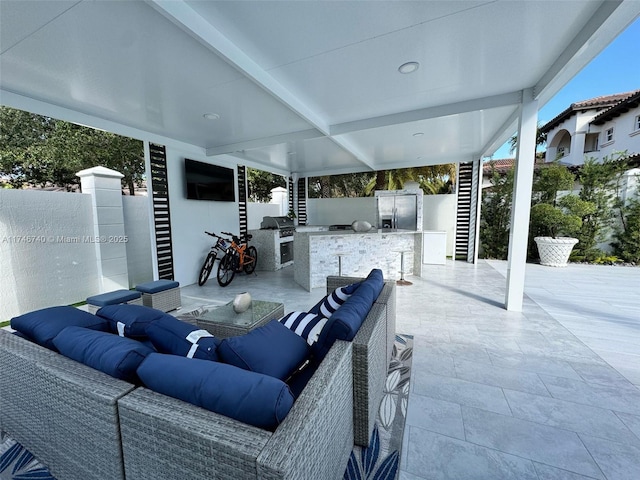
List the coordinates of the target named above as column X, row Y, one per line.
column 332, row 302
column 307, row 325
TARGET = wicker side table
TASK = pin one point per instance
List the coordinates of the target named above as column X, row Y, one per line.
column 224, row 322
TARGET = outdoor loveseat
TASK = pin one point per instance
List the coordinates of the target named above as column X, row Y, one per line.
column 84, row 424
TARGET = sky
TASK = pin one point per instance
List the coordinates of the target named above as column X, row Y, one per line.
column 615, row 70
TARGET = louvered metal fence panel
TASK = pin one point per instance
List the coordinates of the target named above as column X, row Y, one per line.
column 161, row 211
column 242, row 199
column 302, row 201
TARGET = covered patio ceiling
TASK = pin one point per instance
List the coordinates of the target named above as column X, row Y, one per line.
column 302, row 87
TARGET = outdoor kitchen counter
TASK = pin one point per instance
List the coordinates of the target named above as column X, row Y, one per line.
column 316, row 254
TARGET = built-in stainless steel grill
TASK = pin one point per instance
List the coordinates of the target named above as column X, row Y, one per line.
column 284, row 225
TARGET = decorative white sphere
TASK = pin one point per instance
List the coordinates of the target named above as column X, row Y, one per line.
column 242, row 302
column 360, row 226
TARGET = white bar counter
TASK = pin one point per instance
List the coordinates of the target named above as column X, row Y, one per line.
column 316, row 254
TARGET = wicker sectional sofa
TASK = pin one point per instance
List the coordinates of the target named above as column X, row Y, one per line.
column 84, row 424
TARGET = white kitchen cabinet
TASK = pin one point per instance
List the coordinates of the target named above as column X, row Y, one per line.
column 434, row 247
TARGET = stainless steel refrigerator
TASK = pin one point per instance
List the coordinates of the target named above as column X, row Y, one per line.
column 397, row 212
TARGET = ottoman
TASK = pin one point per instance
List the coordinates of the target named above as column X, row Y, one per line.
column 160, row 294
column 113, row 298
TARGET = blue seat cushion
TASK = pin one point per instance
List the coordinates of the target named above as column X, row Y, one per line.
column 245, row 396
column 157, row 286
column 329, row 304
column 113, row 298
column 271, row 349
column 129, row 320
column 346, row 321
column 42, row 326
column 116, row 356
column 173, row 336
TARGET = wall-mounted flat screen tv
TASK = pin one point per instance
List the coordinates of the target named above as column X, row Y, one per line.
column 209, row 182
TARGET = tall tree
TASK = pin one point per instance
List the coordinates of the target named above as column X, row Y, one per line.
column 42, row 151
column 260, row 184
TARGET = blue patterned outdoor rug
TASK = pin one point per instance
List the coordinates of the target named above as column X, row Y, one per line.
column 381, row 459
column 17, row 463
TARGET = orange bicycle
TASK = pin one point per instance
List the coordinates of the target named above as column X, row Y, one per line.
column 238, row 257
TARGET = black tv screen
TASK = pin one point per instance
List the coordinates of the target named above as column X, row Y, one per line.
column 209, row 182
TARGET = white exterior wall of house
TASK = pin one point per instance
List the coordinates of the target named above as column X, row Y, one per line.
column 626, row 135
column 577, row 127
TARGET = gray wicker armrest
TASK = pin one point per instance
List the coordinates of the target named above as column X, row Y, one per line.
column 334, row 282
column 369, row 372
column 315, row 440
column 387, row 298
column 64, row 412
column 166, row 438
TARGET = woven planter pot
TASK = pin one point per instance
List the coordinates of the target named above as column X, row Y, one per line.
column 555, row 252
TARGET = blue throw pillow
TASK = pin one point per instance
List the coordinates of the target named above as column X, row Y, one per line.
column 42, row 326
column 170, row 335
column 248, row 397
column 129, row 320
column 116, row 356
column 329, row 304
column 272, row 349
column 346, row 321
column 307, row 325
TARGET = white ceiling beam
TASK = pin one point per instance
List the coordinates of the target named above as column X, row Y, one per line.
column 502, row 134
column 579, row 44
column 484, row 103
column 243, row 159
column 182, row 15
column 264, row 142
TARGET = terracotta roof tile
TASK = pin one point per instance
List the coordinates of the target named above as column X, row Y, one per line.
column 604, row 101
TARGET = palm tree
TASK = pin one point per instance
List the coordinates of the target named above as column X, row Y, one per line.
column 541, row 139
column 432, row 178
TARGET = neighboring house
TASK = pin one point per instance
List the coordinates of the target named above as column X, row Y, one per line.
column 597, row 127
column 502, row 166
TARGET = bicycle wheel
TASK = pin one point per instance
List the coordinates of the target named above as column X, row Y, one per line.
column 226, row 269
column 250, row 259
column 205, row 271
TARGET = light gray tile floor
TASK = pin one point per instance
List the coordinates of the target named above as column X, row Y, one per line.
column 545, row 394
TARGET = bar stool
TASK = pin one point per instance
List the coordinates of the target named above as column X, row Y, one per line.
column 402, row 281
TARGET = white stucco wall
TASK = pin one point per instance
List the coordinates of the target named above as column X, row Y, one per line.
column 190, row 218
column 137, row 229
column 45, row 256
column 439, row 214
column 256, row 211
column 625, row 136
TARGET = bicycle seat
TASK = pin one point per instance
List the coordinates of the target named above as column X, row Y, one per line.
column 248, row 236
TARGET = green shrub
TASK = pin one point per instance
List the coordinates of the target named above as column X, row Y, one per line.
column 627, row 236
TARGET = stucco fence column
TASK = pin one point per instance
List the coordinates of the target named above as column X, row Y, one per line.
column 103, row 184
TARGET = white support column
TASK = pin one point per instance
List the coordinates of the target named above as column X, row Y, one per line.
column 103, row 184
column 521, row 205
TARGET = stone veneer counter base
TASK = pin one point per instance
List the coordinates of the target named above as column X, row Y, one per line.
column 316, row 254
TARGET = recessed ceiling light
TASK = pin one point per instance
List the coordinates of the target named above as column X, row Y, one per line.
column 211, row 116
column 408, row 67
column 418, row 134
